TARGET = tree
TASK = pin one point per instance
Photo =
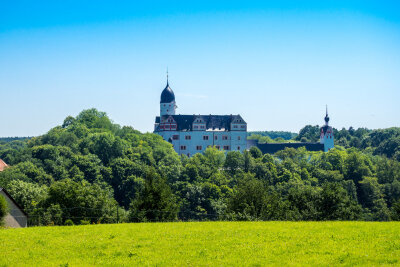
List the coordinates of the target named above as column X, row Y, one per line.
column 105, row 145
column 234, row 162
column 255, row 152
column 28, row 195
column 309, row 132
column 396, row 211
column 371, row 197
column 155, row 202
column 214, row 158
column 335, row 204
column 305, row 201
column 81, row 201
column 252, row 201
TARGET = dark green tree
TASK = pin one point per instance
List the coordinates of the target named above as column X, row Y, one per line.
column 155, row 202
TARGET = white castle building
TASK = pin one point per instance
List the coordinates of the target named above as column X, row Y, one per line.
column 190, row 134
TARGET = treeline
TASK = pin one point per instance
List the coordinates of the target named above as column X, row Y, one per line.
column 379, row 142
column 90, row 170
column 11, row 139
column 271, row 136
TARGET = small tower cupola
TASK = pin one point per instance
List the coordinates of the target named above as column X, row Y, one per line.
column 167, row 102
column 167, row 95
column 326, row 117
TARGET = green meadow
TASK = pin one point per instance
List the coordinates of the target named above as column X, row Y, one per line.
column 204, row 244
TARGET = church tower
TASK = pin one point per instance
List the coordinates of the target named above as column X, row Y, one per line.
column 326, row 136
column 167, row 103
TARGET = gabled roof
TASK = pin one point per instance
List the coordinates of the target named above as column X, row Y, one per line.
column 325, row 128
column 11, row 198
column 213, row 122
column 3, row 165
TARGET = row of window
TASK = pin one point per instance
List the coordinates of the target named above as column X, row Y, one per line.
column 218, row 147
column 205, row 137
column 168, row 126
column 199, row 127
column 236, row 126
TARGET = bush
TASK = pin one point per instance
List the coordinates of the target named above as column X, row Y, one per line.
column 3, row 209
column 69, row 222
column 84, row 222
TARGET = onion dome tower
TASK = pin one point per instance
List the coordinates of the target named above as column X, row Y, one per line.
column 167, row 102
column 326, row 136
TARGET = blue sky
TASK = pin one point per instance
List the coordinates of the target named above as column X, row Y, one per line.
column 277, row 63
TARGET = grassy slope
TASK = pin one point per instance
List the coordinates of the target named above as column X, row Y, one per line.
column 204, row 243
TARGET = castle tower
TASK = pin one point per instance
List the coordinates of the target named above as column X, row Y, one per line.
column 326, row 136
column 167, row 103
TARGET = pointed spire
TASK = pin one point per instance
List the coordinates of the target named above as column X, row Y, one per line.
column 167, row 77
column 326, row 116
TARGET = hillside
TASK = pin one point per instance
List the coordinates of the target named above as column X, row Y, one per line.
column 204, row 243
column 90, row 169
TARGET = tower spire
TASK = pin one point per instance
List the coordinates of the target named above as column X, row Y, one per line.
column 167, row 76
column 326, row 116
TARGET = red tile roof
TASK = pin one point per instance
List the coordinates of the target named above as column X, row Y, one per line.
column 3, row 165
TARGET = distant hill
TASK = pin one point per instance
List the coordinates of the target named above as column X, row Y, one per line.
column 10, row 139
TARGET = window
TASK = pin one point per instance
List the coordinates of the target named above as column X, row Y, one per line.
column 205, row 137
column 175, row 137
column 216, row 137
column 183, row 147
column 202, row 127
column 224, row 137
column 238, row 137
column 195, row 127
column 199, row 148
column 243, row 126
column 226, row 147
column 217, row 147
column 238, row 147
column 235, row 126
column 188, row 137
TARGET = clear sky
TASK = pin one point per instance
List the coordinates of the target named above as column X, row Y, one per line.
column 277, row 63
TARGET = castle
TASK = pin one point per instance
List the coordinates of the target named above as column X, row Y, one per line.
column 190, row 134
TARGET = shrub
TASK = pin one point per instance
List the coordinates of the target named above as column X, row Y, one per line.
column 69, row 222
column 85, row 222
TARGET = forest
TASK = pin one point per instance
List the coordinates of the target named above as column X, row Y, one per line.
column 91, row 170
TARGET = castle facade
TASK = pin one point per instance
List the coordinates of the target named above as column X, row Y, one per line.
column 191, row 134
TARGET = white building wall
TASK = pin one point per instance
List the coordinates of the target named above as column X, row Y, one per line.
column 167, row 108
column 236, row 140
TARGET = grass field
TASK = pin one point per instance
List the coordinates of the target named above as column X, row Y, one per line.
column 204, row 243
